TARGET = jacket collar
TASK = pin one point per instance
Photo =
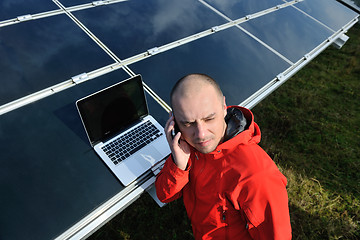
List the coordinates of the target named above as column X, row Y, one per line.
column 250, row 135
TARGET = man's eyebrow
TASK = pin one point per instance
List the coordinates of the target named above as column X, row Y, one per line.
column 189, row 121
column 210, row 116
column 186, row 122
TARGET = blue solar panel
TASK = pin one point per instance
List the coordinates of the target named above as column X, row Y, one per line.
column 56, row 172
column 235, row 9
column 292, row 36
column 352, row 4
column 39, row 54
column 331, row 13
column 15, row 8
column 55, row 177
column 226, row 56
column 129, row 28
column 53, row 146
column 69, row 3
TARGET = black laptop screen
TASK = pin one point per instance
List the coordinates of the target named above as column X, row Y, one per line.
column 113, row 109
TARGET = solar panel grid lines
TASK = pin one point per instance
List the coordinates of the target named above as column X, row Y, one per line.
column 130, row 60
column 160, row 49
column 156, row 97
column 35, row 16
column 288, row 73
column 88, row 32
column 51, row 53
column 56, row 88
column 313, row 18
column 86, row 227
column 239, row 21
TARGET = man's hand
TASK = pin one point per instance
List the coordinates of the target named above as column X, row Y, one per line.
column 179, row 147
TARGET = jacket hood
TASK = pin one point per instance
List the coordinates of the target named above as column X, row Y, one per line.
column 250, row 135
column 236, row 123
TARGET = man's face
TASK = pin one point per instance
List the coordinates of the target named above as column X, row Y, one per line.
column 200, row 117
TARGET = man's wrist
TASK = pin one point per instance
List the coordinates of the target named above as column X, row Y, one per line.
column 180, row 166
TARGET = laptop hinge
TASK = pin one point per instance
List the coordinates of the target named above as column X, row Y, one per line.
column 93, row 144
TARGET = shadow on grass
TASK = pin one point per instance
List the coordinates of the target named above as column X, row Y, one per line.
column 144, row 219
column 314, row 227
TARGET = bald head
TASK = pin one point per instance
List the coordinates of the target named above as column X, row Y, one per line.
column 192, row 84
column 199, row 109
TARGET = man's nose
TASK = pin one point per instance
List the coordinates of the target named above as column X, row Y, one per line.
column 200, row 130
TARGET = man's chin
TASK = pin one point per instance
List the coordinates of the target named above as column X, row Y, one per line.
column 205, row 149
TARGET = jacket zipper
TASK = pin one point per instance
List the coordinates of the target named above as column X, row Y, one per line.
column 224, row 207
column 195, row 181
column 224, row 219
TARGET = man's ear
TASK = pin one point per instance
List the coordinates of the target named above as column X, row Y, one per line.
column 225, row 107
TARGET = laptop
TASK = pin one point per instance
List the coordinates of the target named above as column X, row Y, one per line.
column 121, row 131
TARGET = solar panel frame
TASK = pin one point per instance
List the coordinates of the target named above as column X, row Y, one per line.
column 47, row 110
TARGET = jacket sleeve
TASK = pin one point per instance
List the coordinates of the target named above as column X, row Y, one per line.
column 265, row 204
column 170, row 181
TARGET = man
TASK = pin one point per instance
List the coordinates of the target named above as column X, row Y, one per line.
column 231, row 188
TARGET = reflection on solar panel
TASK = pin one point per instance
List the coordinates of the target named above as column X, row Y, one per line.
column 55, row 52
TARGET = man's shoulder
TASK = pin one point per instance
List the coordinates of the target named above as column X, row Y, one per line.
column 251, row 160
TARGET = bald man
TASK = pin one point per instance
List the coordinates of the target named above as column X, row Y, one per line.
column 230, row 187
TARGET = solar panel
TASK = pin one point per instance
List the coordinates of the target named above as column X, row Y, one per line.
column 14, row 9
column 292, row 37
column 39, row 54
column 331, row 13
column 235, row 9
column 129, row 28
column 229, row 54
column 55, row 52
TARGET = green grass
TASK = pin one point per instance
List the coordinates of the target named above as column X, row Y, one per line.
column 311, row 128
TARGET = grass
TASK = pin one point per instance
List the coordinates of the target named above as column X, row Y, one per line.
column 311, row 128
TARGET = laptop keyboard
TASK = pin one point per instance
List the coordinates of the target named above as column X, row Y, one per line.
column 129, row 143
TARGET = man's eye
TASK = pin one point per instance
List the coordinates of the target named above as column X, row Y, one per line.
column 209, row 119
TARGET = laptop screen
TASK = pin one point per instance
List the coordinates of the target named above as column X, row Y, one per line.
column 107, row 112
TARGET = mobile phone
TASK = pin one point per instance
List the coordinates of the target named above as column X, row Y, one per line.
column 175, row 130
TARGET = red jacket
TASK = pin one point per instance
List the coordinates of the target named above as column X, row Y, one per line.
column 234, row 192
